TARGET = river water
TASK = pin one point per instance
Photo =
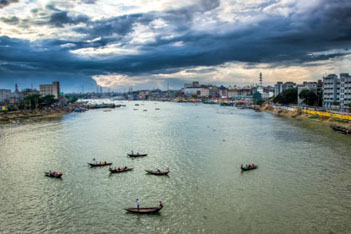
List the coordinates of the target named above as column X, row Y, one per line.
column 302, row 185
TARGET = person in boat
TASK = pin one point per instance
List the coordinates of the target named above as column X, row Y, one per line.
column 118, row 169
column 125, row 168
column 138, row 203
column 158, row 171
column 161, row 205
column 94, row 161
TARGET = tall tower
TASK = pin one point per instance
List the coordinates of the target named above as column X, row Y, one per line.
column 260, row 86
column 16, row 88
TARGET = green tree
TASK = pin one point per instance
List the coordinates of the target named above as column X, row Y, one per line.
column 47, row 100
column 288, row 96
column 31, row 101
column 257, row 99
column 309, row 97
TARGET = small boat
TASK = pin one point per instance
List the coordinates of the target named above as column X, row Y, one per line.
column 145, row 110
column 136, row 104
column 157, row 108
column 57, row 175
column 120, row 170
column 136, row 155
column 150, row 210
column 103, row 164
column 158, row 172
column 248, row 168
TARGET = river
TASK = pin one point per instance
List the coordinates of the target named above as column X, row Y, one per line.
column 302, row 185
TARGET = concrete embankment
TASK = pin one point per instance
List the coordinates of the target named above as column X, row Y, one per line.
column 337, row 122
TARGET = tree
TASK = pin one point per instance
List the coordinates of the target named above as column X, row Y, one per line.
column 309, row 97
column 257, row 99
column 288, row 96
column 47, row 100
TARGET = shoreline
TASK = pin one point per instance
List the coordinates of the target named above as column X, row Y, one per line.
column 28, row 115
column 334, row 123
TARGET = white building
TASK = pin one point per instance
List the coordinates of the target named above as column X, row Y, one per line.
column 331, row 90
column 260, row 86
column 197, row 91
column 50, row 89
column 345, row 90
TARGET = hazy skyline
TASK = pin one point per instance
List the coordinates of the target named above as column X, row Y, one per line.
column 149, row 43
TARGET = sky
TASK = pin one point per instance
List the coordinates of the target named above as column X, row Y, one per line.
column 143, row 44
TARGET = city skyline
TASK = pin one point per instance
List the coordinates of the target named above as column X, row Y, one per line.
column 155, row 44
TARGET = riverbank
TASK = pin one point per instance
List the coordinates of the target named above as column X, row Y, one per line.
column 341, row 125
column 24, row 115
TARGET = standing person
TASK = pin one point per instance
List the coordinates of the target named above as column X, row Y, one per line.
column 138, row 203
column 161, row 204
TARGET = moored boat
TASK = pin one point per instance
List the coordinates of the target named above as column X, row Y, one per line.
column 158, row 172
column 120, row 170
column 54, row 174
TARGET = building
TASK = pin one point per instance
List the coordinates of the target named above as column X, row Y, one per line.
column 278, row 88
column 26, row 92
column 331, row 91
column 312, row 86
column 50, row 89
column 288, row 85
column 260, row 85
column 345, row 91
column 5, row 95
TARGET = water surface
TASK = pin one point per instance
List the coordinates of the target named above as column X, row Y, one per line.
column 303, row 184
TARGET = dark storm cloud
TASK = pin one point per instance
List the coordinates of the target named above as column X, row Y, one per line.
column 4, row 3
column 275, row 40
column 61, row 18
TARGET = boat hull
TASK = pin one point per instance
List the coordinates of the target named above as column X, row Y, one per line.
column 150, row 210
column 121, row 171
column 99, row 165
column 157, row 173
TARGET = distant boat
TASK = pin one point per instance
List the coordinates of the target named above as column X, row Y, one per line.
column 107, row 110
column 136, row 155
column 145, row 110
column 150, row 210
column 158, row 172
column 157, row 108
column 56, row 175
column 135, row 109
column 248, row 168
column 120, row 170
column 102, row 164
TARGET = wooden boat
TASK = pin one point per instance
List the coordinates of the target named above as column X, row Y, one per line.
column 157, row 172
column 150, row 210
column 249, row 168
column 103, row 164
column 137, row 155
column 120, row 171
column 51, row 174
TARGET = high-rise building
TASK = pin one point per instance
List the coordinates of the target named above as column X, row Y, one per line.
column 278, row 88
column 345, row 90
column 50, row 89
column 331, row 90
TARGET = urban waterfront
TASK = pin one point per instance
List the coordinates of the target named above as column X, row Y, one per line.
column 302, row 185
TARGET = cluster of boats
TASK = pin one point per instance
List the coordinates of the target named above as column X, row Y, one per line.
column 146, row 210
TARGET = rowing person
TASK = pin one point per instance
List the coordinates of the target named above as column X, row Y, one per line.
column 138, row 203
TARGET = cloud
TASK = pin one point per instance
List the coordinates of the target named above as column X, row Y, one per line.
column 4, row 3
column 176, row 39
